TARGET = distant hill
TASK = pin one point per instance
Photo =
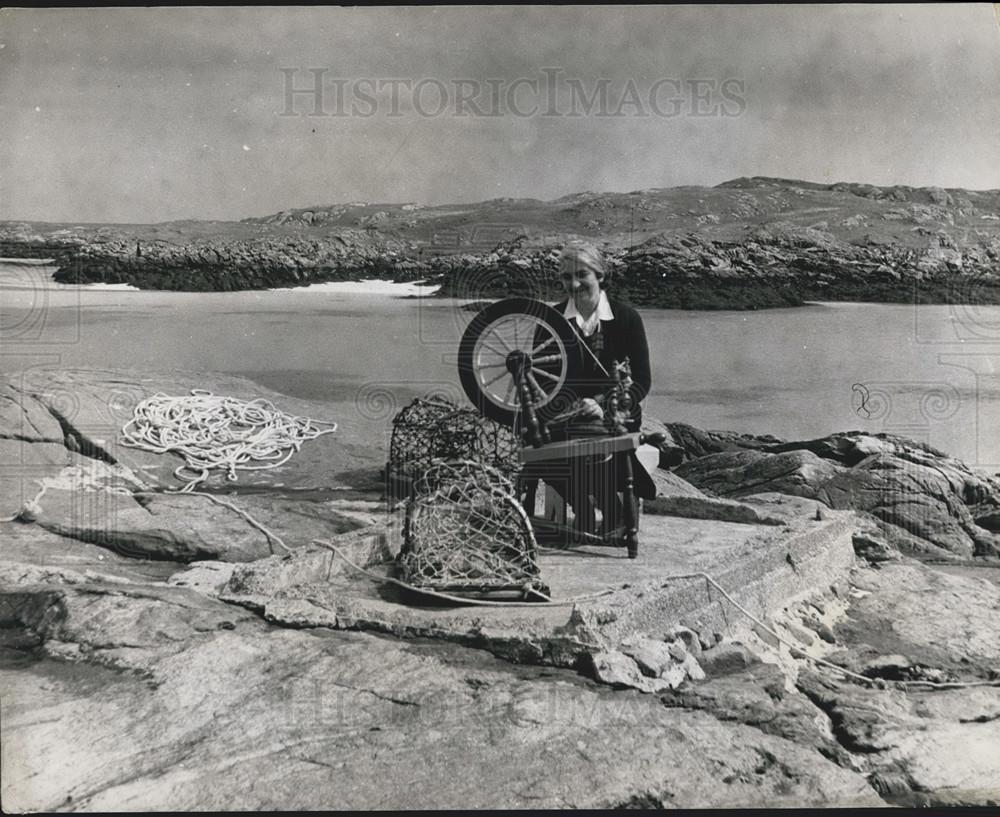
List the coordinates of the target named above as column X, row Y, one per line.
column 746, row 243
column 848, row 211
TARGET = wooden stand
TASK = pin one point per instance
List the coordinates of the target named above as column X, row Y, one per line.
column 569, row 462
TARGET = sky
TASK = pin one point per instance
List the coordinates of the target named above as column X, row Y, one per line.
column 154, row 114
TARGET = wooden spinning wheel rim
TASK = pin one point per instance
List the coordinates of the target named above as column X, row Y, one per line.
column 512, row 331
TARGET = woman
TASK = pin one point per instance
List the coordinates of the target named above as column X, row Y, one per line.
column 612, row 332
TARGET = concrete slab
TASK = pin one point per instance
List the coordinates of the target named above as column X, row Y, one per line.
column 764, row 568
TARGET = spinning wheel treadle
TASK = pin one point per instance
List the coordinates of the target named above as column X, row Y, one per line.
column 519, row 335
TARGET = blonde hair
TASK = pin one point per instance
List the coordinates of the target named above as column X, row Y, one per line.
column 589, row 256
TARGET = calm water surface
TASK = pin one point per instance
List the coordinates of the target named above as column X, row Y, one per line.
column 929, row 372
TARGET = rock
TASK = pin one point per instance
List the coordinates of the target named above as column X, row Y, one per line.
column 63, row 430
column 757, row 696
column 25, row 464
column 677, row 497
column 692, row 669
column 782, row 506
column 869, row 473
column 766, row 634
column 97, row 404
column 929, row 748
column 871, row 543
column 698, row 443
column 703, row 507
column 252, row 718
column 22, row 417
column 184, row 527
column 821, row 629
column 619, row 670
column 142, row 684
column 886, row 666
column 667, row 660
column 891, row 617
column 653, row 657
column 939, row 196
column 259, row 582
column 207, row 577
column 689, row 638
column 727, row 658
column 800, row 633
column 671, row 454
column 669, row 484
column 739, row 473
column 674, row 676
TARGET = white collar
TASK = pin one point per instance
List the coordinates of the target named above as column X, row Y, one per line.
column 589, row 325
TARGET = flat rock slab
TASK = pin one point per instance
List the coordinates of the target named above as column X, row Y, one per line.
column 22, row 467
column 189, row 527
column 764, row 568
column 255, row 719
column 93, row 406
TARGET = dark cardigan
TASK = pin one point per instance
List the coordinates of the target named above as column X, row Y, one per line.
column 625, row 336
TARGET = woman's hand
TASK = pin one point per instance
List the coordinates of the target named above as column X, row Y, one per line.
column 590, row 409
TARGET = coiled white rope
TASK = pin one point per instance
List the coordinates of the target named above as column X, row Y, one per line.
column 213, row 432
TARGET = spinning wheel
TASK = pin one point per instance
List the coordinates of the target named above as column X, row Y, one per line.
column 517, row 362
column 519, row 353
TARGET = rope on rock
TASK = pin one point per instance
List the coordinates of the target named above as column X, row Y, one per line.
column 799, row 652
column 30, row 509
column 272, row 537
column 213, row 432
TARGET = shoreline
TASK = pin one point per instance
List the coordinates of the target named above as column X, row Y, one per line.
column 422, row 290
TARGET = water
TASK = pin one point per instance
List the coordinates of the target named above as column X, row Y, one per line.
column 925, row 372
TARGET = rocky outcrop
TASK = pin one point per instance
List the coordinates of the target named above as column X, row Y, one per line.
column 153, row 698
column 929, row 502
column 913, row 740
column 229, row 265
column 781, row 265
column 142, row 671
column 62, row 431
column 747, row 244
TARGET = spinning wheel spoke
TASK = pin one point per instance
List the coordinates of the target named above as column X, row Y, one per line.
column 547, row 359
column 493, row 380
column 545, row 374
column 493, row 349
column 541, row 346
column 493, row 365
column 510, row 392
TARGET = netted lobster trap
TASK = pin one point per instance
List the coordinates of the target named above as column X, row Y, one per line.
column 431, row 429
column 466, row 532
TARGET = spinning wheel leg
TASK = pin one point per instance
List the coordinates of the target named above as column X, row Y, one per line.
column 631, row 512
column 529, row 487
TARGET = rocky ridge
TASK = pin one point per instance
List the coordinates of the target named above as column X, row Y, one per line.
column 749, row 243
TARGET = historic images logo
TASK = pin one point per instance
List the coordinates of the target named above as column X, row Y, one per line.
column 315, row 92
